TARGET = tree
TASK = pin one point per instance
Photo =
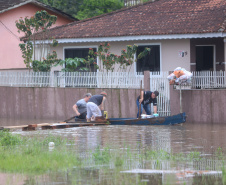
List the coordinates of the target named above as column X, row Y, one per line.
column 108, row 60
column 70, row 7
column 40, row 22
column 91, row 8
column 83, row 9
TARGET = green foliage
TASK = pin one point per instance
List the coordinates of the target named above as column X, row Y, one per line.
column 70, row 7
column 7, row 139
column 83, row 9
column 46, row 64
column 27, row 52
column 40, row 22
column 71, row 64
column 109, row 60
column 119, row 161
column 102, row 156
column 90, row 8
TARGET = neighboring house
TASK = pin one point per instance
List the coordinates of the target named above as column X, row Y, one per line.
column 185, row 33
column 10, row 11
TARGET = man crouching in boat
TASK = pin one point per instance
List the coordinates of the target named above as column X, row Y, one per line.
column 80, row 106
column 145, row 99
column 95, row 106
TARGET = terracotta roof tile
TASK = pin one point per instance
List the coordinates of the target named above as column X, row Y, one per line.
column 153, row 18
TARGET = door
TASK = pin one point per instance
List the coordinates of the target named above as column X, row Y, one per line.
column 205, row 58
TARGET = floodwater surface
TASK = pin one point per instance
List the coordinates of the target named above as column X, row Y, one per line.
column 186, row 138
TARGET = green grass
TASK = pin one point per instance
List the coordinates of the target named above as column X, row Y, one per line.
column 31, row 155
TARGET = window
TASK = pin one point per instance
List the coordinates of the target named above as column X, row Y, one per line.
column 151, row 61
column 80, row 53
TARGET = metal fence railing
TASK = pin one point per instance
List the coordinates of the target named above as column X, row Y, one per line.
column 209, row 79
column 71, row 79
column 159, row 82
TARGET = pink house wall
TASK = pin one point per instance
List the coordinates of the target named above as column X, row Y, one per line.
column 10, row 54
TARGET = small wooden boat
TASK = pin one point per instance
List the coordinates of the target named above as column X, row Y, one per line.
column 167, row 120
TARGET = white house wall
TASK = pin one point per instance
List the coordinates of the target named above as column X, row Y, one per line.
column 170, row 51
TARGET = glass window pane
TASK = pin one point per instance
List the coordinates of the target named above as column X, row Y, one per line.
column 79, row 53
column 151, row 61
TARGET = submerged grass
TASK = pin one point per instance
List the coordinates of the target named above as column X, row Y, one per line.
column 31, row 155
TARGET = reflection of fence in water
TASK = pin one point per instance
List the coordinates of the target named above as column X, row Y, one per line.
column 208, row 164
column 161, row 140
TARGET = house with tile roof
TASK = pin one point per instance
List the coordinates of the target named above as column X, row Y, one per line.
column 185, row 33
column 10, row 11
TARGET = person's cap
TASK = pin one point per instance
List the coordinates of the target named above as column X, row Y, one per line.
column 88, row 94
column 103, row 93
column 156, row 93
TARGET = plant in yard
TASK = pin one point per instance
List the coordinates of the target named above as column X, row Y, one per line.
column 39, row 23
column 71, row 64
column 108, row 60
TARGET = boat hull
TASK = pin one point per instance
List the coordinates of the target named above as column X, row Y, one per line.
column 168, row 120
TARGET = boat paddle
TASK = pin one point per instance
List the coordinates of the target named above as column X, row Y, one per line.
column 72, row 118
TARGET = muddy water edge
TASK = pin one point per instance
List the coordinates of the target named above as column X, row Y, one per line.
column 191, row 153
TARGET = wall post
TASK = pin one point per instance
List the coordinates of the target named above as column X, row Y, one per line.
column 147, row 81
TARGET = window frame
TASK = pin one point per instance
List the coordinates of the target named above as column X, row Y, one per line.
column 149, row 44
column 80, row 47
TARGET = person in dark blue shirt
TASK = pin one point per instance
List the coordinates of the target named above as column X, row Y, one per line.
column 144, row 101
column 93, row 105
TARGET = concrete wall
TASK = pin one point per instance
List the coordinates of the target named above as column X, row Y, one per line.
column 204, row 106
column 47, row 103
column 201, row 106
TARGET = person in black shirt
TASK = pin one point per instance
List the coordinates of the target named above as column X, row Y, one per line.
column 93, row 105
column 145, row 99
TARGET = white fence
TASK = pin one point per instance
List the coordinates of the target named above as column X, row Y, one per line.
column 26, row 79
column 100, row 79
column 209, row 79
column 159, row 82
column 71, row 79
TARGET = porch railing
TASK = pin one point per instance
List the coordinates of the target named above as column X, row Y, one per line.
column 209, row 79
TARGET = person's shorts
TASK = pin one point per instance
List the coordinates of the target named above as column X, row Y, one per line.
column 82, row 116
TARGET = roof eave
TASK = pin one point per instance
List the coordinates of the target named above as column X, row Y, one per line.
column 140, row 37
column 16, row 6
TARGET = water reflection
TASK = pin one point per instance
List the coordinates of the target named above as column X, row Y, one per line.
column 203, row 138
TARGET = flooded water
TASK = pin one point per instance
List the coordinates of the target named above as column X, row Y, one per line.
column 185, row 138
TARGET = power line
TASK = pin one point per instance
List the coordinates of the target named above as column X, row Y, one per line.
column 10, row 31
